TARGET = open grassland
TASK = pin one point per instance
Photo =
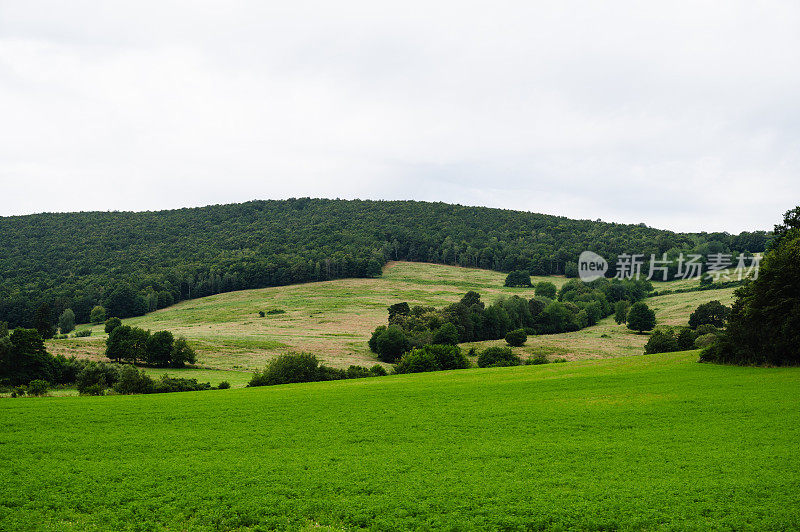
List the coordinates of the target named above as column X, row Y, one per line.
column 334, row 319
column 649, row 442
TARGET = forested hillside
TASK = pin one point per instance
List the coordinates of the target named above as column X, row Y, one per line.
column 135, row 262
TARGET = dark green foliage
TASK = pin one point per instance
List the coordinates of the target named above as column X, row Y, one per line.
column 303, row 367
column 661, row 342
column 539, row 360
column 182, row 353
column 764, row 323
column 224, row 385
column 391, row 344
column 66, row 321
column 518, row 278
column 492, row 357
column 95, row 378
column 169, row 384
column 126, row 343
column 159, row 349
column 23, row 357
column 111, row 324
column 545, row 289
column 373, row 340
column 377, row 371
column 556, row 318
column 621, row 311
column 685, row 339
column 133, row 380
column 43, row 321
column 705, row 340
column 712, row 313
column 274, row 311
column 641, row 318
column 83, row 333
column 516, row 338
column 3, row 329
column 706, row 281
column 97, row 315
column 38, row 387
column 358, row 372
column 446, row 334
column 399, row 309
column 261, row 314
column 432, row 358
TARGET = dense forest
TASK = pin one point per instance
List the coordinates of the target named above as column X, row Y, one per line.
column 136, row 262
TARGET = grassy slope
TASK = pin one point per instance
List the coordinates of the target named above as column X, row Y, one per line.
column 334, row 319
column 654, row 442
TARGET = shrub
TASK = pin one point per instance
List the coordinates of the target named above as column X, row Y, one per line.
column 82, row 334
column 95, row 377
column 288, row 368
column 545, row 289
column 392, row 343
column 686, row 339
column 518, row 278
column 432, row 358
column 182, row 353
column 261, row 313
column 19, row 391
column 446, row 334
column 706, row 329
column 38, row 387
column 621, row 311
column 516, row 338
column 224, row 385
column 493, row 357
column 705, row 340
column 377, row 370
column 358, row 372
column 133, row 380
column 111, row 324
column 661, row 342
column 276, row 311
column 169, row 384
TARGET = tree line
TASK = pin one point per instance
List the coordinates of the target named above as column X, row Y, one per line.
column 131, row 263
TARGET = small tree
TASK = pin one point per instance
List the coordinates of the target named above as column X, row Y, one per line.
column 711, row 313
column 661, row 342
column 493, row 357
column 111, row 324
column 392, row 343
column 133, row 380
column 516, row 338
column 97, row 315
column 182, row 353
column 641, row 318
column 621, row 311
column 38, row 387
column 518, row 278
column 66, row 322
column 447, row 334
column 159, row 348
column 545, row 289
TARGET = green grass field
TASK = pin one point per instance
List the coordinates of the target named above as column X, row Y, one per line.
column 334, row 319
column 648, row 442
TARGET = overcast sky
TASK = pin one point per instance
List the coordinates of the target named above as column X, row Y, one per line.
column 682, row 115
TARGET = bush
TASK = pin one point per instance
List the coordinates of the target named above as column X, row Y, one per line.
column 641, row 318
column 38, row 387
column 82, row 334
column 357, row 372
column 66, row 321
column 705, row 340
column 276, row 311
column 432, row 358
column 538, row 360
column 661, row 342
column 19, row 391
column 224, row 385
column 516, row 338
column 288, row 368
column 686, row 339
column 493, row 357
column 111, row 324
column 377, row 371
column 169, row 384
column 392, row 343
column 261, row 314
column 133, row 380
column 545, row 289
column 706, row 329
column 95, row 377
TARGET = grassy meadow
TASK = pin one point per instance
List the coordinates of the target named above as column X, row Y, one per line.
column 656, row 442
column 334, row 319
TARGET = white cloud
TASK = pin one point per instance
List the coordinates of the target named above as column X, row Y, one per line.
column 681, row 115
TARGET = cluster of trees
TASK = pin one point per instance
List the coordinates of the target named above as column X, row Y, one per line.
column 131, row 263
column 764, row 323
column 577, row 305
column 136, row 345
column 303, row 367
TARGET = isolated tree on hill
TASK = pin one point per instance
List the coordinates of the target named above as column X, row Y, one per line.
column 516, row 338
column 641, row 318
column 764, row 324
column 711, row 313
column 545, row 289
column 518, row 278
column 66, row 322
column 43, row 321
column 621, row 311
column 97, row 315
column 182, row 353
